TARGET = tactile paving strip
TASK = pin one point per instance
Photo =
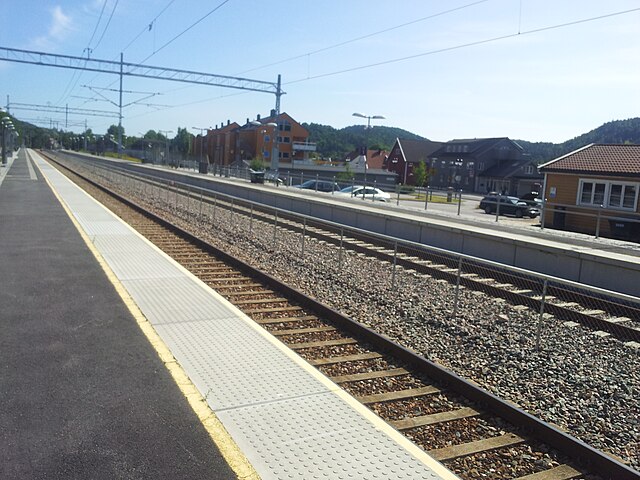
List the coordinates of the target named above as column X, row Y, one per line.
column 131, row 258
column 178, row 300
column 317, row 437
column 233, row 365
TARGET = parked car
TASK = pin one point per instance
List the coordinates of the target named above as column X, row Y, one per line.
column 368, row 193
column 533, row 199
column 272, row 177
column 508, row 206
column 319, row 186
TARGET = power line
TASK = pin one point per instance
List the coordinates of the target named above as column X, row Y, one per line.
column 148, row 28
column 466, row 45
column 106, row 27
column 145, row 29
column 181, row 33
column 89, row 50
column 356, row 39
column 344, row 42
column 67, row 91
column 186, row 30
column 432, row 52
column 95, row 29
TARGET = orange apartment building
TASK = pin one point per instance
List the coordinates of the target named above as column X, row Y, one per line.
column 232, row 143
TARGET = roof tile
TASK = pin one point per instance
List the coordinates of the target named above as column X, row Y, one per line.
column 598, row 158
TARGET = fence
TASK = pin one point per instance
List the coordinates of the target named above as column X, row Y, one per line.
column 467, row 278
column 602, row 222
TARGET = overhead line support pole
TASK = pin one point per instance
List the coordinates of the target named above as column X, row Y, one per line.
column 120, row 111
column 275, row 151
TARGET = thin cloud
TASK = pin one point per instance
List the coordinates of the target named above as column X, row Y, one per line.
column 61, row 26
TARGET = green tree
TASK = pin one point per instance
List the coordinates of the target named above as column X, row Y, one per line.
column 182, row 141
column 113, row 130
column 257, row 164
column 347, row 175
column 420, row 174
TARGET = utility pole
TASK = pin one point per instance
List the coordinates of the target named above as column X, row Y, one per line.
column 166, row 142
column 120, row 111
column 275, row 151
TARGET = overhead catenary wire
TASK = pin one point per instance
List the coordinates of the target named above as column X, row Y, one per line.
column 466, row 45
column 369, row 35
column 441, row 50
column 433, row 52
column 147, row 27
column 106, row 27
column 68, row 89
column 99, row 40
column 131, row 42
column 330, row 47
column 181, row 33
column 186, row 30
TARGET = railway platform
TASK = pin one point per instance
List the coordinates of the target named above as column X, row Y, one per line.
column 118, row 363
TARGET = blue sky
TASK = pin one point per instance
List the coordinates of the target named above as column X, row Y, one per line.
column 459, row 74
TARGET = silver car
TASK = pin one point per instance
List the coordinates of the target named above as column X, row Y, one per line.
column 366, row 193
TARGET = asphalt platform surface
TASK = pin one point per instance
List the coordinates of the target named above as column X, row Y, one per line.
column 83, row 395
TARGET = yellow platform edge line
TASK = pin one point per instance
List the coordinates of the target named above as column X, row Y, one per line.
column 228, row 448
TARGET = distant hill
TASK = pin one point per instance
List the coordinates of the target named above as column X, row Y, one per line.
column 617, row 131
column 337, row 144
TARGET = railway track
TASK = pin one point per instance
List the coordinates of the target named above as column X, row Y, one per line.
column 599, row 313
column 473, row 432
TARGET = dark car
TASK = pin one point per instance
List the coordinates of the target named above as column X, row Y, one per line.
column 532, row 198
column 319, row 186
column 508, row 206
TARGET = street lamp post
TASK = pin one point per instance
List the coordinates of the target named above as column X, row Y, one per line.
column 6, row 124
column 201, row 144
column 144, row 145
column 274, row 140
column 4, row 141
column 166, row 142
column 366, row 147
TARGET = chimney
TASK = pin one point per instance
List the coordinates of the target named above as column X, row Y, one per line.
column 247, row 120
column 258, row 117
column 273, row 112
column 228, row 122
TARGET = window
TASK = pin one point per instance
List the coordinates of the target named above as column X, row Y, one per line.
column 623, row 196
column 528, row 170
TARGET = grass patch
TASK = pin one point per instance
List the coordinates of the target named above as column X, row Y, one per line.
column 419, row 197
column 124, row 157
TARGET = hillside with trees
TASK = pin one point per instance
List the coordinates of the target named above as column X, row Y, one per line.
column 617, row 131
column 337, row 144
